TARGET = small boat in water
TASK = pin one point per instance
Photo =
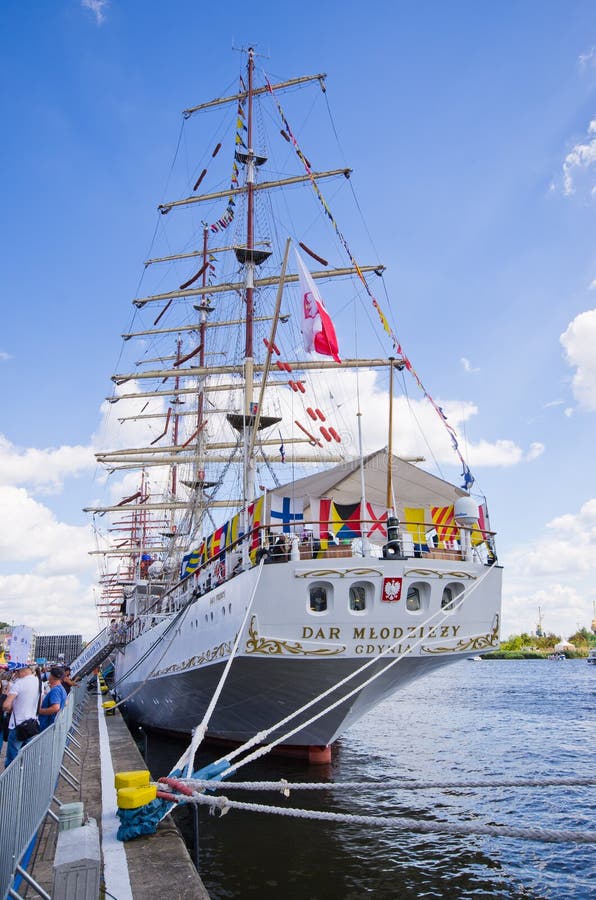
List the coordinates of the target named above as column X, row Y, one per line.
column 592, row 656
column 245, row 413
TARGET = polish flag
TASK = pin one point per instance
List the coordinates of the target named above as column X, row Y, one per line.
column 317, row 328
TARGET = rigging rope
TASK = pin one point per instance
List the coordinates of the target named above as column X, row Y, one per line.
column 152, row 647
column 466, row 474
column 187, row 758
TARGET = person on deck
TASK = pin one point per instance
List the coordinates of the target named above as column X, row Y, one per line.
column 54, row 700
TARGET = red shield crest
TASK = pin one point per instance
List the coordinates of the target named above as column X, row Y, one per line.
column 391, row 590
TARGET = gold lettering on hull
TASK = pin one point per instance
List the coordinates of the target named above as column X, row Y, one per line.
column 380, row 632
column 369, row 636
column 391, row 636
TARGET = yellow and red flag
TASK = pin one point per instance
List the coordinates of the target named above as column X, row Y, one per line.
column 444, row 522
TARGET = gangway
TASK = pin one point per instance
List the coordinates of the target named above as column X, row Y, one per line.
column 111, row 638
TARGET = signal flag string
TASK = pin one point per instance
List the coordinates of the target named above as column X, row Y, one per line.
column 466, row 473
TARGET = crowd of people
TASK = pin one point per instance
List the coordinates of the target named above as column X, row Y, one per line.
column 30, row 699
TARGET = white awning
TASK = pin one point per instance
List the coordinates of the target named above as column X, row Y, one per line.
column 411, row 486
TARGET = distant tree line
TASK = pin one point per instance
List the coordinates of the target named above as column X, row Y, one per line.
column 530, row 646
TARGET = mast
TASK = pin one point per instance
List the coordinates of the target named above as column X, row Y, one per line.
column 250, row 237
column 249, row 464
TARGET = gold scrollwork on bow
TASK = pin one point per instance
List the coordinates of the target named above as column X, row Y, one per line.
column 219, row 652
column 476, row 642
column 273, row 647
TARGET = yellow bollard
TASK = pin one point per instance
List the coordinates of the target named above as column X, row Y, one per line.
column 135, row 778
column 133, row 797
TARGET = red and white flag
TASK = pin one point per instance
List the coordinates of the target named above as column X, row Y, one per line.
column 317, row 328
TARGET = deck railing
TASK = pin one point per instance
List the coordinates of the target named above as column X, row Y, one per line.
column 224, row 564
column 27, row 787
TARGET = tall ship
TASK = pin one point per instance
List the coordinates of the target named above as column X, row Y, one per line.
column 260, row 506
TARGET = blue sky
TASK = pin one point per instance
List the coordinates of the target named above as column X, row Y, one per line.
column 469, row 129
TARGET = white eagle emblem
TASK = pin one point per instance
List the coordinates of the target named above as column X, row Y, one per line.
column 392, row 589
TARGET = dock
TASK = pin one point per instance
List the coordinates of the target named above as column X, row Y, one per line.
column 149, row 867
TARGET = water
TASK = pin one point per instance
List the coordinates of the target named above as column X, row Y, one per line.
column 501, row 718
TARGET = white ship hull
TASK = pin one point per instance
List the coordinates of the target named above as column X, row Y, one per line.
column 289, row 654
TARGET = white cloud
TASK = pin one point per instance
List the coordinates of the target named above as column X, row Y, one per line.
column 37, row 538
column 587, row 60
column 121, row 425
column 578, row 342
column 552, row 403
column 563, row 609
column 46, row 468
column 592, row 285
column 4, row 356
column 536, row 450
column 417, row 426
column 97, row 7
column 579, row 160
column 467, row 365
column 58, row 604
column 46, row 574
column 556, row 571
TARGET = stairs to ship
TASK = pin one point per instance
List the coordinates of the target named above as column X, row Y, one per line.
column 97, row 650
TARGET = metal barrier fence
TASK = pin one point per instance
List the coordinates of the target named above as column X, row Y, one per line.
column 27, row 787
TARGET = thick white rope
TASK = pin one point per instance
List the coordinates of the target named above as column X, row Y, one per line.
column 285, row 787
column 544, row 835
column 260, row 737
column 198, row 734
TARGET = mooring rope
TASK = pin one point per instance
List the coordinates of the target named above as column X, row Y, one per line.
column 286, row 786
column 543, row 835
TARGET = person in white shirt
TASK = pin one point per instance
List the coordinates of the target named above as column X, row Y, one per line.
column 22, row 703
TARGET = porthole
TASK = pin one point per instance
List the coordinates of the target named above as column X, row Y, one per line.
column 417, row 597
column 360, row 596
column 320, row 597
column 451, row 593
column 413, row 599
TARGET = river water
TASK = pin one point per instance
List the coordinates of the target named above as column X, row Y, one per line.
column 473, row 720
